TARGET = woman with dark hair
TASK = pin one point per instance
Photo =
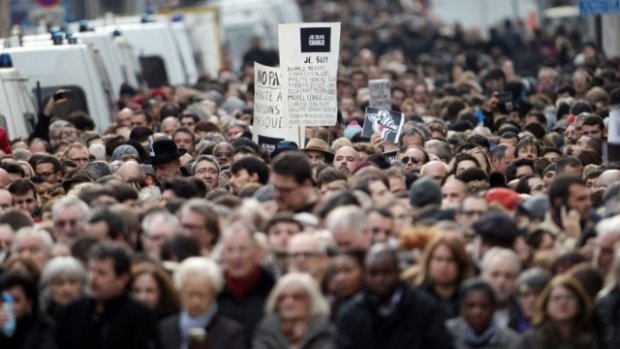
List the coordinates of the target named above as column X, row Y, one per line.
column 564, row 318
column 445, row 265
column 151, row 285
column 31, row 330
column 476, row 328
column 347, row 279
column 530, row 285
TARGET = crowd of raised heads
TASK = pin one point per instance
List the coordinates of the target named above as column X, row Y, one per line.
column 496, row 225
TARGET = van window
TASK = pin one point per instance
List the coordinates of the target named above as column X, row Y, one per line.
column 28, row 105
column 77, row 100
column 154, row 71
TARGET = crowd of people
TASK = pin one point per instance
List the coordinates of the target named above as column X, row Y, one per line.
column 497, row 225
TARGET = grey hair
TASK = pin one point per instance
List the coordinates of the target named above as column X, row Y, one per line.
column 304, row 282
column 208, row 158
column 441, row 148
column 202, row 267
column 68, row 201
column 609, row 226
column 159, row 218
column 499, row 253
column 148, row 194
column 58, row 124
column 97, row 150
column 43, row 235
column 61, row 267
column 97, row 169
column 535, row 278
column 352, row 216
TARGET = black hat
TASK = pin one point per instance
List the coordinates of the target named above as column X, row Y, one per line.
column 163, row 151
column 423, row 192
column 497, row 229
column 283, row 146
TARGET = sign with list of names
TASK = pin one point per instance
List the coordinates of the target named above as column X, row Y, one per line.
column 309, row 66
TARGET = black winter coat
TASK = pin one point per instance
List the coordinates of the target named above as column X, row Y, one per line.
column 250, row 310
column 417, row 323
column 607, row 317
column 124, row 323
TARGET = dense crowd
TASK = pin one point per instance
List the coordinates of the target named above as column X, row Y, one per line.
column 497, row 225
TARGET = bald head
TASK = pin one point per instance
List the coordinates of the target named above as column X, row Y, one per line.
column 5, row 180
column 607, row 178
column 123, row 117
column 130, row 170
column 169, row 124
column 436, row 169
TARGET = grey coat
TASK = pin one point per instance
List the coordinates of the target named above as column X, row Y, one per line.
column 507, row 338
column 321, row 334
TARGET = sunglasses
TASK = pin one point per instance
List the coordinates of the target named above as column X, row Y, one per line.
column 413, row 160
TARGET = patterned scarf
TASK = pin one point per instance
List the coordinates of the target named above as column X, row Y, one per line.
column 490, row 336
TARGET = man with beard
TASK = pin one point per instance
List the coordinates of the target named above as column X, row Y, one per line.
column 500, row 268
column 346, row 159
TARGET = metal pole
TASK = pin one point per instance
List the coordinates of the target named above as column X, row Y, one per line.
column 5, row 18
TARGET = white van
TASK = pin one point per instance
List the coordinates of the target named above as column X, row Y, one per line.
column 160, row 57
column 76, row 67
column 18, row 113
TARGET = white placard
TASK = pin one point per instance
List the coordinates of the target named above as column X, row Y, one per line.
column 270, row 124
column 309, row 63
column 380, row 96
column 613, row 135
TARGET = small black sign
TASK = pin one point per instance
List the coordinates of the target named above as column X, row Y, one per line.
column 315, row 39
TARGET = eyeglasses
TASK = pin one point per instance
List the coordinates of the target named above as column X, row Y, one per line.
column 79, row 159
column 305, row 255
column 471, row 213
column 206, row 170
column 61, row 223
column 222, row 155
column 413, row 160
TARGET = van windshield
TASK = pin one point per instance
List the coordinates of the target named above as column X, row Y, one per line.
column 154, row 71
column 76, row 100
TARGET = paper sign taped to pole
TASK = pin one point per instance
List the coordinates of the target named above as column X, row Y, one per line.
column 271, row 124
column 384, row 122
column 309, row 65
column 380, row 96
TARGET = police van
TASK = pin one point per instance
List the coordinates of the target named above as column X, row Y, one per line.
column 18, row 113
column 75, row 67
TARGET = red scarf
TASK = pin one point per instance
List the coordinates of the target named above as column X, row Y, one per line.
column 239, row 288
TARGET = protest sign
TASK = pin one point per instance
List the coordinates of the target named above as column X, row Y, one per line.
column 380, row 96
column 386, row 123
column 309, row 66
column 270, row 124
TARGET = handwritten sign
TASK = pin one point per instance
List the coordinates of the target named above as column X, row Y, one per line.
column 271, row 125
column 309, row 63
column 380, row 96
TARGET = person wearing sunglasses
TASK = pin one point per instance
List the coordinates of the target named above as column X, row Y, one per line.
column 413, row 158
